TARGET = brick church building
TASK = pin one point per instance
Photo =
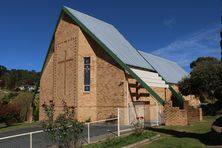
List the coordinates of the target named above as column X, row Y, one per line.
column 94, row 68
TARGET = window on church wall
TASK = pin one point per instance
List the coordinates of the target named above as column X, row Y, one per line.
column 86, row 74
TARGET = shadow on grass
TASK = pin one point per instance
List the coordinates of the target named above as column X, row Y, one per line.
column 205, row 138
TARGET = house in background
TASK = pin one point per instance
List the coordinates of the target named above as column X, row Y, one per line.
column 30, row 88
column 94, row 68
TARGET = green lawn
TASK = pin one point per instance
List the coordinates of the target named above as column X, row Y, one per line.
column 193, row 135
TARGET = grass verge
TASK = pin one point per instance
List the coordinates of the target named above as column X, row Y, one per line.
column 193, row 135
column 118, row 142
column 4, row 128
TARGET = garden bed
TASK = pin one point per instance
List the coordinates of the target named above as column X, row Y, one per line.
column 118, row 142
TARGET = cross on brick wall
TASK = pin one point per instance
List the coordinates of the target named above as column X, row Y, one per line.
column 64, row 62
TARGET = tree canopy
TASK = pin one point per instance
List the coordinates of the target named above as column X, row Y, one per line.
column 16, row 77
column 205, row 80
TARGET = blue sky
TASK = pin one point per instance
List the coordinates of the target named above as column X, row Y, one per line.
column 179, row 30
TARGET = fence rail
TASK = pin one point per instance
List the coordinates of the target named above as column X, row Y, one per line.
column 23, row 134
column 89, row 125
column 96, row 130
column 96, row 122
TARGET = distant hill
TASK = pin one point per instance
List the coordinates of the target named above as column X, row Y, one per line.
column 14, row 78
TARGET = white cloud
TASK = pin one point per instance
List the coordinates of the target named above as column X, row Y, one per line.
column 184, row 51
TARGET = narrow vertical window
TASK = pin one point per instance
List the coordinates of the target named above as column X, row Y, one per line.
column 86, row 74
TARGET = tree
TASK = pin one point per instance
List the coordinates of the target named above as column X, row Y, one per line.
column 9, row 80
column 9, row 114
column 205, row 80
column 14, row 107
column 16, row 77
column 3, row 70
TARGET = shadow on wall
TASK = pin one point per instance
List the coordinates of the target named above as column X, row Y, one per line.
column 205, row 138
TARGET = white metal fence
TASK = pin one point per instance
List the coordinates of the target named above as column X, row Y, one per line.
column 93, row 131
column 151, row 116
column 99, row 129
column 6, row 141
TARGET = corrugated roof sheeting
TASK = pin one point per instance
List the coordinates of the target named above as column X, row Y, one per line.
column 169, row 70
column 113, row 39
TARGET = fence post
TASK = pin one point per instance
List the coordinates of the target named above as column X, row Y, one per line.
column 118, row 122
column 30, row 144
column 88, row 133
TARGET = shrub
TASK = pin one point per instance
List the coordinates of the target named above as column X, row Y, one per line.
column 9, row 114
column 65, row 130
column 212, row 109
column 23, row 100
column 15, row 110
column 119, row 142
column 8, row 97
column 35, row 105
column 138, row 125
column 2, row 94
column 111, row 141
